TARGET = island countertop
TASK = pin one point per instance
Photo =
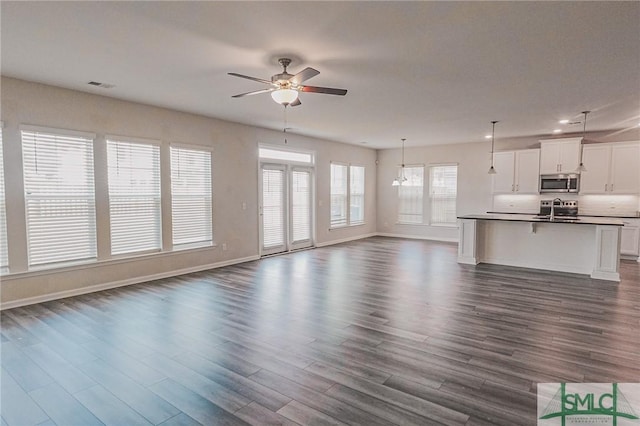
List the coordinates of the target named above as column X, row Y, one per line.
column 516, row 217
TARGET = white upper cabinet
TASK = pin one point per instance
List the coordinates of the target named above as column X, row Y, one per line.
column 612, row 168
column 559, row 155
column 516, row 171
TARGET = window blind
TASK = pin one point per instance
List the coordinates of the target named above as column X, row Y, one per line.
column 134, row 196
column 443, row 188
column 338, row 195
column 410, row 196
column 59, row 196
column 4, row 249
column 300, row 206
column 356, row 195
column 273, row 207
column 191, row 197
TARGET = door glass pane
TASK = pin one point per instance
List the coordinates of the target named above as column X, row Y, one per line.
column 300, row 206
column 272, row 208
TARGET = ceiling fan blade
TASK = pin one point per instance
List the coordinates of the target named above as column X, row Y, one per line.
column 296, row 102
column 259, row 80
column 255, row 92
column 327, row 90
column 304, row 75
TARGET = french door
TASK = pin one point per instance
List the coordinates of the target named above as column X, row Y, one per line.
column 286, row 217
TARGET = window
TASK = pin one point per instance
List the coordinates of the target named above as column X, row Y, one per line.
column 59, row 196
column 285, row 155
column 191, row 197
column 338, row 195
column 347, row 195
column 4, row 256
column 443, row 184
column 410, row 196
column 134, row 196
column 356, row 195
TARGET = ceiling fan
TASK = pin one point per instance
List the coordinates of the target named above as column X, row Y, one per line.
column 285, row 87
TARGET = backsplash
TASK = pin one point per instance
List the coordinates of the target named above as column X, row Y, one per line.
column 510, row 203
column 609, row 205
column 599, row 205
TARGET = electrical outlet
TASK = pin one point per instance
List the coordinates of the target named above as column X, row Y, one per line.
column 244, row 206
column 224, row 246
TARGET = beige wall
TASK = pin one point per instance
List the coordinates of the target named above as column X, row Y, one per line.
column 235, row 181
column 474, row 185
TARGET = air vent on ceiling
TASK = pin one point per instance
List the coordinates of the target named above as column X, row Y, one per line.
column 103, row 85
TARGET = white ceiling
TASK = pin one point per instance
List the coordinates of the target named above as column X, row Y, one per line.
column 431, row 72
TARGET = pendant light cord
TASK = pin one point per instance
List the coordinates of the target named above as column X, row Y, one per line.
column 493, row 138
column 584, row 127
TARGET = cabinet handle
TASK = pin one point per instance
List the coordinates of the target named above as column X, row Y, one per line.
column 512, row 187
column 611, row 189
column 517, row 187
column 606, row 187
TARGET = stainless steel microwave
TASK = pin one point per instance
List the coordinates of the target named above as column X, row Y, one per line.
column 560, row 183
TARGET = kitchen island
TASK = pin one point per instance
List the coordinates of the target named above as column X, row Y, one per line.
column 586, row 245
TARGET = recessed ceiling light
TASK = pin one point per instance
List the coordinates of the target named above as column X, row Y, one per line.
column 487, row 136
column 565, row 121
column 557, row 130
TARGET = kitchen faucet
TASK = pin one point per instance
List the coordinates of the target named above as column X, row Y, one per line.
column 553, row 213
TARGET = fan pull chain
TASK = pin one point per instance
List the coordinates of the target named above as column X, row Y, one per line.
column 284, row 129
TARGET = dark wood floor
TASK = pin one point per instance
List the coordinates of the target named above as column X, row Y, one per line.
column 375, row 332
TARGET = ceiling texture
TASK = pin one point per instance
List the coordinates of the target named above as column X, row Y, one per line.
column 431, row 72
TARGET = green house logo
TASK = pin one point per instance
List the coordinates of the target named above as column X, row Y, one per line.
column 589, row 403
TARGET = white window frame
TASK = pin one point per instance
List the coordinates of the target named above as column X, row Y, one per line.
column 453, row 223
column 349, row 221
column 207, row 242
column 90, row 199
column 282, row 159
column 156, row 198
column 422, row 197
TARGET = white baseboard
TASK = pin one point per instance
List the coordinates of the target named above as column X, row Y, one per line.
column 345, row 240
column 418, row 237
column 129, row 281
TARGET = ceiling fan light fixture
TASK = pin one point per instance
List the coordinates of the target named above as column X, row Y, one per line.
column 284, row 96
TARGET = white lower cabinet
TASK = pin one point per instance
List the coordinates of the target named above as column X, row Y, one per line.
column 630, row 237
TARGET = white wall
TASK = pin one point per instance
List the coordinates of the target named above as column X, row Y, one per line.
column 474, row 185
column 235, row 181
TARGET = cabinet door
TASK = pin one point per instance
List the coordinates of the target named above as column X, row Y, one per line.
column 527, row 171
column 630, row 240
column 625, row 169
column 503, row 179
column 596, row 160
column 549, row 158
column 569, row 156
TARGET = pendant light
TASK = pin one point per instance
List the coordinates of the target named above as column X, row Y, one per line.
column 492, row 170
column 402, row 178
column 581, row 167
